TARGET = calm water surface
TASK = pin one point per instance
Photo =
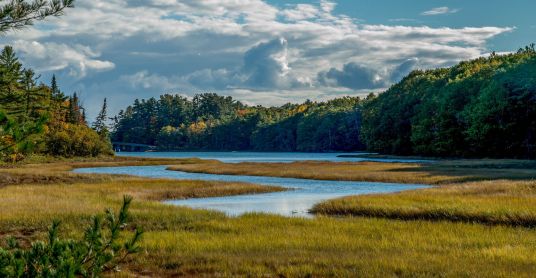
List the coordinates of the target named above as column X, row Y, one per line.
column 236, row 157
column 303, row 193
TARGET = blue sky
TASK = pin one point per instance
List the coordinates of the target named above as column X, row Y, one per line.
column 262, row 52
column 475, row 13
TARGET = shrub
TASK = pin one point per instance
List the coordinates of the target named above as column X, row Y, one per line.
column 76, row 140
column 99, row 251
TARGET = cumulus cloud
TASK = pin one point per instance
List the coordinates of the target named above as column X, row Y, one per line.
column 77, row 59
column 266, row 64
column 359, row 77
column 352, row 76
column 400, row 71
column 439, row 11
column 219, row 79
column 249, row 49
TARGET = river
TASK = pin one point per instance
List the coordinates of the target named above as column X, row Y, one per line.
column 302, row 195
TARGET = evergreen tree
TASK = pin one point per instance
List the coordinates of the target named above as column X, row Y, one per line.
column 17, row 14
column 11, row 97
column 34, row 117
column 56, row 93
column 21, row 118
column 36, row 98
column 74, row 115
column 100, row 122
column 101, row 249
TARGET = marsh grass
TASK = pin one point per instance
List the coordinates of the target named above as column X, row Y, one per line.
column 28, row 209
column 55, row 171
column 182, row 241
column 500, row 202
column 439, row 172
column 185, row 242
column 261, row 245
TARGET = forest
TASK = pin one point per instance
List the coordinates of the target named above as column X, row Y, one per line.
column 480, row 108
column 213, row 122
column 40, row 119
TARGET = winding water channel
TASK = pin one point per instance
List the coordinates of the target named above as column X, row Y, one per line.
column 302, row 195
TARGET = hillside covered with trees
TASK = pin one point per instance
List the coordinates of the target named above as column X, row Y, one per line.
column 480, row 108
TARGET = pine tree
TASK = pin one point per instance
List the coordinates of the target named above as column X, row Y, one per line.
column 36, row 98
column 11, row 96
column 100, row 122
column 15, row 102
column 101, row 250
column 57, row 94
column 54, row 85
column 74, row 115
column 18, row 102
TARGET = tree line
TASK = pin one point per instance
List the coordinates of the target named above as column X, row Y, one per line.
column 480, row 108
column 212, row 122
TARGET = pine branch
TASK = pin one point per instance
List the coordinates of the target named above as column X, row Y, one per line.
column 20, row 13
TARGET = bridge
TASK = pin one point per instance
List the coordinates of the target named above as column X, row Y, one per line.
column 131, row 147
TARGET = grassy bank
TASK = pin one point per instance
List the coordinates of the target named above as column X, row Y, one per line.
column 440, row 172
column 49, row 170
column 181, row 241
column 503, row 202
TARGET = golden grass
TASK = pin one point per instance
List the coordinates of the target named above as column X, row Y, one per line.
column 491, row 202
column 440, row 172
column 268, row 246
column 54, row 171
column 182, row 241
column 56, row 201
column 185, row 242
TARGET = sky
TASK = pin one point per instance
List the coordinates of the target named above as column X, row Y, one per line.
column 261, row 52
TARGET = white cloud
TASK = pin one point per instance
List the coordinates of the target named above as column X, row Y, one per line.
column 77, row 59
column 439, row 11
column 144, row 79
column 246, row 48
column 301, row 12
column 327, row 6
